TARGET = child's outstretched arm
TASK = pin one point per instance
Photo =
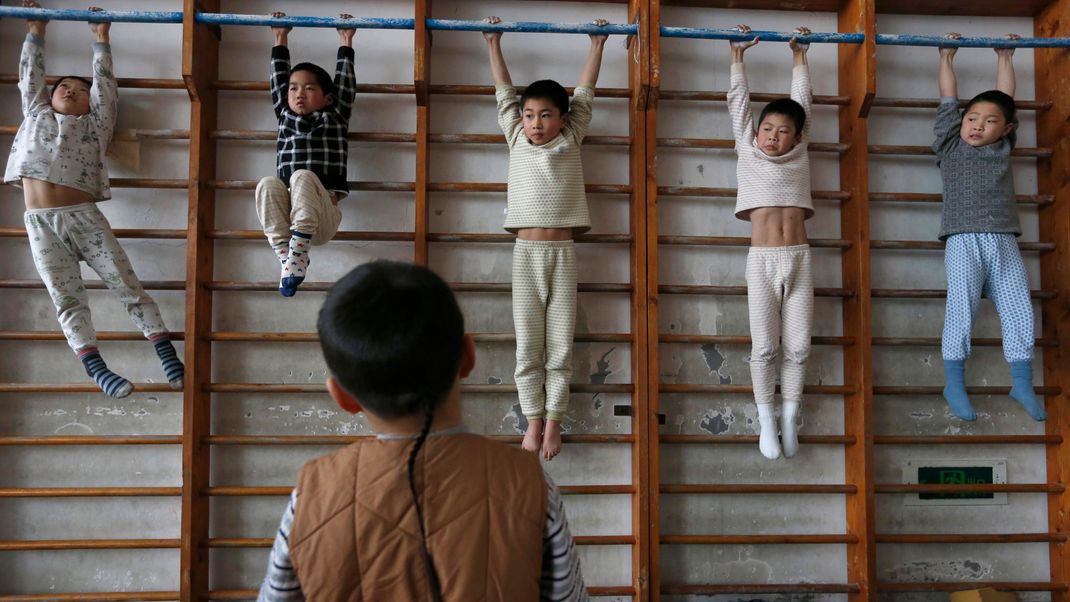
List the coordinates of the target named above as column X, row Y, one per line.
column 589, row 77
column 801, row 90
column 32, row 86
column 1005, row 68
column 104, row 93
column 345, row 78
column 949, row 87
column 948, row 120
column 739, row 92
column 279, row 72
column 498, row 68
column 579, row 110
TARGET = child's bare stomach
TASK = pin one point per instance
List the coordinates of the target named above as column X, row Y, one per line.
column 778, row 227
column 46, row 195
column 544, row 233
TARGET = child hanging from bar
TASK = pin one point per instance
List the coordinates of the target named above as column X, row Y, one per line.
column 979, row 226
column 298, row 207
column 547, row 207
column 57, row 159
column 773, row 174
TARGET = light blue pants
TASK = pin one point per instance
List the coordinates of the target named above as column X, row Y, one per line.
column 986, row 263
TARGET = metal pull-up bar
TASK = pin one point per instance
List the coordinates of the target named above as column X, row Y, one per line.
column 92, row 16
column 434, row 24
column 765, row 36
column 296, row 21
column 964, row 42
column 534, row 27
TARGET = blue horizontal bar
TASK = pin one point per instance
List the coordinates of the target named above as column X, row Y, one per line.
column 104, row 16
column 533, row 27
column 291, row 21
column 765, row 36
column 937, row 41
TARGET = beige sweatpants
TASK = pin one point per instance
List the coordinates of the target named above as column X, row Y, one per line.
column 780, row 297
column 544, row 315
column 305, row 206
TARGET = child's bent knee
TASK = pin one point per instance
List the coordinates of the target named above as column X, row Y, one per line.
column 271, row 182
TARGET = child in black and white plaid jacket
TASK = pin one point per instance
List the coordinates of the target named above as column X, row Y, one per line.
column 298, row 206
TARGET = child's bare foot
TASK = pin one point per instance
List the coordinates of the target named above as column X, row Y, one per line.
column 533, row 436
column 551, row 439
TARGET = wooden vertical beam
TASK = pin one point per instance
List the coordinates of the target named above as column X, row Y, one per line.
column 422, row 81
column 857, row 79
column 1052, row 67
column 200, row 68
column 643, row 57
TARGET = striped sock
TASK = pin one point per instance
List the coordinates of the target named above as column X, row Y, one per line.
column 172, row 366
column 108, row 381
column 297, row 260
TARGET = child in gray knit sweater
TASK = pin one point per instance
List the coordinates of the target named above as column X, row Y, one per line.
column 979, row 227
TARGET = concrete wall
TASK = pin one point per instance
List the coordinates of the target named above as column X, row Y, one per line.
column 459, row 58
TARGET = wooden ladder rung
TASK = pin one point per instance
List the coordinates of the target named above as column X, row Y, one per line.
column 950, row 586
column 932, row 103
column 752, row 439
column 747, row 540
column 758, row 588
column 949, row 538
column 936, row 293
column 728, row 339
column 938, row 390
column 87, row 544
column 920, row 197
column 92, row 440
column 967, row 439
column 729, row 193
column 705, row 289
column 347, row 439
column 721, row 96
column 756, row 488
column 70, row 492
column 903, row 149
column 744, row 241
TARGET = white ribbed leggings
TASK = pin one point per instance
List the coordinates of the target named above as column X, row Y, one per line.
column 780, row 297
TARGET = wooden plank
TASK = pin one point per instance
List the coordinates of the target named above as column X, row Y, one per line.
column 422, row 83
column 985, row 8
column 857, row 78
column 200, row 68
column 643, row 257
column 1052, row 68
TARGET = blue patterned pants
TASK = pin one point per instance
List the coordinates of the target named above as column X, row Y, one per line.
column 990, row 264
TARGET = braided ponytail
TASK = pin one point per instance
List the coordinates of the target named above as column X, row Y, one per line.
column 432, row 575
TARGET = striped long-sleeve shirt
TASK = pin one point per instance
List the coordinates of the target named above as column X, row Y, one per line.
column 546, row 181
column 561, row 581
column 319, row 141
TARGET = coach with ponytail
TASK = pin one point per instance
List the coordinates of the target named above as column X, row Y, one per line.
column 422, row 511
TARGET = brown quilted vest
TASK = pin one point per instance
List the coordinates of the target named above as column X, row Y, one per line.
column 355, row 535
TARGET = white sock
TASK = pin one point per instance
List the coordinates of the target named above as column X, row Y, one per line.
column 788, row 432
column 767, row 440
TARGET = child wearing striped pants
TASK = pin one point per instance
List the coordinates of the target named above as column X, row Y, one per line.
column 547, row 207
column 773, row 173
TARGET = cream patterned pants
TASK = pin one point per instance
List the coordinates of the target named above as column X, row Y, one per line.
column 59, row 239
column 780, row 297
column 544, row 315
column 305, row 206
